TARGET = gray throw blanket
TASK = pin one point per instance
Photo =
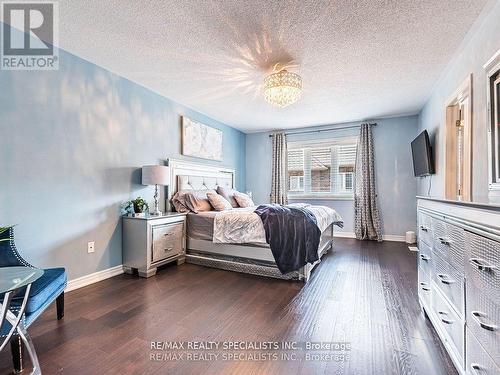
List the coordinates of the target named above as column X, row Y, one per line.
column 292, row 234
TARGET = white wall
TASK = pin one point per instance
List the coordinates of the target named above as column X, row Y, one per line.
column 482, row 41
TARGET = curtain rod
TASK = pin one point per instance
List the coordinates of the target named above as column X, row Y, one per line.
column 326, row 130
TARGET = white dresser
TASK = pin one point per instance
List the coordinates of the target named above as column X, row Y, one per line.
column 459, row 280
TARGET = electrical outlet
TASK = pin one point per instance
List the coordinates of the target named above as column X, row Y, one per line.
column 90, row 247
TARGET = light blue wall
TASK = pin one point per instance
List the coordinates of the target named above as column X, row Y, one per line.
column 396, row 184
column 72, row 143
column 479, row 46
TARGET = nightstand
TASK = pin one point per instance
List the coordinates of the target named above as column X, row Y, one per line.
column 152, row 241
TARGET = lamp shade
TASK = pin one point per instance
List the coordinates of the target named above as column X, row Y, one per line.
column 155, row 175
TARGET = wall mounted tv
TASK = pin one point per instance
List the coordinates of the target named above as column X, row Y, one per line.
column 422, row 155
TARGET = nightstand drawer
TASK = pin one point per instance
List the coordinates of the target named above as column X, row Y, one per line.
column 167, row 241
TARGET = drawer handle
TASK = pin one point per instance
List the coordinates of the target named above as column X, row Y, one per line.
column 425, row 287
column 168, row 249
column 481, row 265
column 444, row 241
column 423, row 229
column 445, row 279
column 424, row 257
column 475, row 367
column 477, row 315
column 444, row 320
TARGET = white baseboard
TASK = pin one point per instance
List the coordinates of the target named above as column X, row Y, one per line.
column 393, row 237
column 95, row 277
column 344, row 234
column 386, row 237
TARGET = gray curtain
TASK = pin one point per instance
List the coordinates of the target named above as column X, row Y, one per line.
column 366, row 214
column 279, row 186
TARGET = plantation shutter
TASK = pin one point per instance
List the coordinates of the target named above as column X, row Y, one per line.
column 327, row 168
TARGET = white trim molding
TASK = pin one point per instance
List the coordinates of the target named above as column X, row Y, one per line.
column 95, row 277
column 393, row 237
column 491, row 68
column 385, row 237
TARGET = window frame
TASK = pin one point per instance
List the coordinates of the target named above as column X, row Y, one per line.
column 492, row 68
column 300, row 180
column 342, row 193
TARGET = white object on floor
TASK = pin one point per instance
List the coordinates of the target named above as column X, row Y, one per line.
column 411, row 237
column 413, row 248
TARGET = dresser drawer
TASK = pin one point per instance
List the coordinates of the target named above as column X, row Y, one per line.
column 449, row 321
column 425, row 257
column 167, row 241
column 456, row 246
column 483, row 265
column 449, row 243
column 483, row 320
column 424, row 228
column 439, row 231
column 478, row 362
column 424, row 287
column 449, row 281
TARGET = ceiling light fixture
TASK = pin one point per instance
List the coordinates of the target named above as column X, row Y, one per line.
column 282, row 88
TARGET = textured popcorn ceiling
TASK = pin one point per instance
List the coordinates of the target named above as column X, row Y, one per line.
column 358, row 59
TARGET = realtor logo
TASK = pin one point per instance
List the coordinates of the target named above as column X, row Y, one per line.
column 29, row 36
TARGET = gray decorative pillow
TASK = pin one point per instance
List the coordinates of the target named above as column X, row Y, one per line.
column 228, row 194
column 218, row 202
column 197, row 200
column 243, row 200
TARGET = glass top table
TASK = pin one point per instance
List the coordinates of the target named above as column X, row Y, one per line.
column 13, row 278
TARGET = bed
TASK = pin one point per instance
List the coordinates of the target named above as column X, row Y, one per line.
column 252, row 258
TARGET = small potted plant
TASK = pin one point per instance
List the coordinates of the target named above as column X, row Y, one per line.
column 136, row 208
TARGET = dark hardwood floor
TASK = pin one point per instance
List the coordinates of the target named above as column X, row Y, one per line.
column 362, row 293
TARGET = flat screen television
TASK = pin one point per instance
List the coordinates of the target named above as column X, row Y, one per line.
column 422, row 155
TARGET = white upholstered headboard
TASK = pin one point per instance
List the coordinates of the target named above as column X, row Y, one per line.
column 186, row 175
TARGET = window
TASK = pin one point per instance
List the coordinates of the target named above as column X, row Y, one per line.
column 321, row 169
column 296, row 183
column 296, row 170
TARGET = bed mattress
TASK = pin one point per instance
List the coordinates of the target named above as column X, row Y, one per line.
column 200, row 226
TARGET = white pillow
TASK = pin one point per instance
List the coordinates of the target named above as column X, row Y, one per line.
column 218, row 201
column 243, row 200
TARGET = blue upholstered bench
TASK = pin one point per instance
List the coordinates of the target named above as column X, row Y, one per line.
column 47, row 289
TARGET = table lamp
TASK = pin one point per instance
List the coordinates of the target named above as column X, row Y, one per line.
column 156, row 175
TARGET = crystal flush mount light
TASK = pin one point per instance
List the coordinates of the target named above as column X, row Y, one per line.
column 282, row 88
